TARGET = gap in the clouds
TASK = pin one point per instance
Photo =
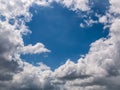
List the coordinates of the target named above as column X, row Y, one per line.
column 59, row 30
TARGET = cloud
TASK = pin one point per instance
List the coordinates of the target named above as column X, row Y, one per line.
column 74, row 5
column 33, row 77
column 11, row 41
column 37, row 48
column 115, row 7
column 98, row 70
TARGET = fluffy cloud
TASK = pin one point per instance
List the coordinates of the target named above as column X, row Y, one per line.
column 98, row 70
column 37, row 48
column 115, row 7
column 75, row 4
column 11, row 41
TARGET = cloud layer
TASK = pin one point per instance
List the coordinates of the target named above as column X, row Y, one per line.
column 97, row 70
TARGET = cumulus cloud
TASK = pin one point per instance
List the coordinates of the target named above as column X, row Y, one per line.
column 37, row 48
column 82, row 5
column 11, row 41
column 98, row 70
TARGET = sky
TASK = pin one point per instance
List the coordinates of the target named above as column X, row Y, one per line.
column 59, row 30
column 60, row 45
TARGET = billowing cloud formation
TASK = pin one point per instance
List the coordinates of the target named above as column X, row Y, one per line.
column 98, row 70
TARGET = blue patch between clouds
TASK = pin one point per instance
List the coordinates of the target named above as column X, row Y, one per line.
column 59, row 30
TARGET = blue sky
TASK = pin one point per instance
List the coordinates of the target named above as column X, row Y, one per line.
column 82, row 35
column 58, row 28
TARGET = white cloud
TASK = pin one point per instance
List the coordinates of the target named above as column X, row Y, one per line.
column 103, row 19
column 13, row 8
column 37, row 48
column 75, row 4
column 115, row 6
column 35, row 77
column 11, row 41
column 98, row 70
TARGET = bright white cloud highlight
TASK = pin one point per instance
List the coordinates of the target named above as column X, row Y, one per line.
column 37, row 48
